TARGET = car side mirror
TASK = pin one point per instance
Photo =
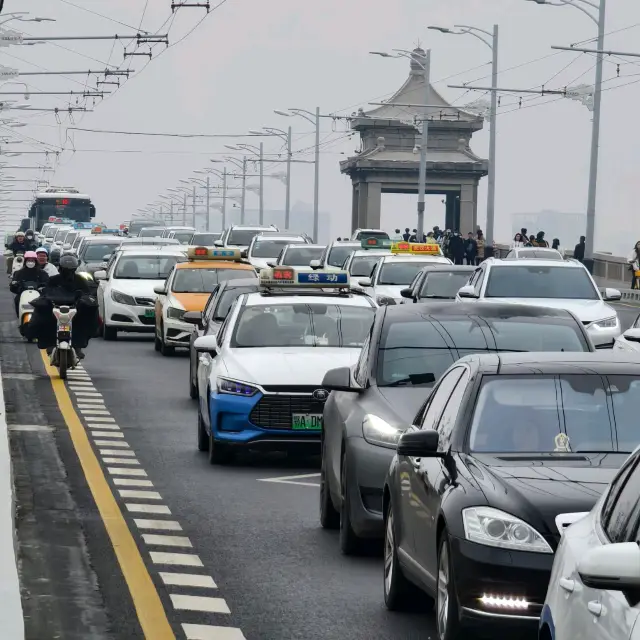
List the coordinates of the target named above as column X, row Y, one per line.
column 206, row 344
column 193, row 317
column 315, row 264
column 66, row 247
column 339, row 380
column 271, row 264
column 161, row 291
column 611, row 295
column 244, row 254
column 632, row 335
column 107, row 257
column 613, row 567
column 467, row 292
column 100, row 275
column 407, row 293
column 365, row 282
column 218, row 243
column 419, row 444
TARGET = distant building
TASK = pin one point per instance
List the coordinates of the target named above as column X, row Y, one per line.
column 568, row 227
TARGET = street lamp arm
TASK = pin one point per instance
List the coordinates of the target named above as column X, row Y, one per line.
column 572, row 3
column 303, row 113
column 469, row 28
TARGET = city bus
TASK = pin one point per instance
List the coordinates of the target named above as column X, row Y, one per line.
column 59, row 202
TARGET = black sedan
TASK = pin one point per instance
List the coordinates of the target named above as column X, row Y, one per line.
column 505, row 450
column 209, row 321
column 409, row 348
column 437, row 282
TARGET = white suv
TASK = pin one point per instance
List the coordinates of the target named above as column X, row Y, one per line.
column 548, row 283
column 239, row 236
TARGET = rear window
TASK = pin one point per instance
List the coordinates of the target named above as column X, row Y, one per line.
column 362, row 266
column 301, row 256
column 338, row 254
column 205, row 239
column 241, row 237
column 372, row 234
column 444, row 285
column 203, row 280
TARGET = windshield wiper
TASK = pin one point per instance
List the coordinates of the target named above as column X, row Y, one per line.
column 600, row 451
column 413, row 379
column 431, row 297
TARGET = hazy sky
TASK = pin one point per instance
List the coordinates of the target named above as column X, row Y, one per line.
column 249, row 57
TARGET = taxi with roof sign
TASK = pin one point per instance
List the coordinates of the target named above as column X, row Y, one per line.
column 396, row 271
column 105, row 231
column 260, row 378
column 188, row 288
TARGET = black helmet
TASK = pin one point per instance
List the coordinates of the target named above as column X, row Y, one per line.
column 68, row 262
column 54, row 257
column 29, row 233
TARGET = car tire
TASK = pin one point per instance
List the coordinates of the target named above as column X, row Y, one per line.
column 165, row 349
column 399, row 593
column 156, row 343
column 350, row 543
column 109, row 333
column 447, row 610
column 193, row 388
column 329, row 515
column 203, row 436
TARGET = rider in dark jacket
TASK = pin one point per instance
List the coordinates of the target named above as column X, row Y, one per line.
column 30, row 274
column 18, row 245
column 30, row 240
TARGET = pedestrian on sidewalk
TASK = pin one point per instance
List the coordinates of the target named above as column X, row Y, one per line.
column 406, row 235
column 457, row 248
column 540, row 241
column 518, row 241
column 556, row 245
column 578, row 252
column 634, row 266
column 397, row 236
column 481, row 242
column 471, row 248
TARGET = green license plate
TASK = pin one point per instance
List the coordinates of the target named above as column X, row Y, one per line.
column 306, row 421
column 149, row 313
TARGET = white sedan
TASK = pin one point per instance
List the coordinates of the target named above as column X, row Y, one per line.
column 630, row 339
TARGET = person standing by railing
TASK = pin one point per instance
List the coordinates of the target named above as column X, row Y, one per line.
column 578, row 252
column 634, row 266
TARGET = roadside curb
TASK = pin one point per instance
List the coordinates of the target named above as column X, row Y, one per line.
column 10, row 601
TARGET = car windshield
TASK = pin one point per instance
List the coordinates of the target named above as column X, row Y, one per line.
column 339, row 253
column 78, row 239
column 71, row 236
column 529, row 281
column 241, row 237
column 203, row 280
column 145, row 267
column 400, row 273
column 228, row 297
column 153, row 232
column 302, row 324
column 362, row 266
column 556, row 414
column 204, row 239
column 271, row 248
column 183, row 237
column 301, row 256
column 96, row 251
column 443, row 284
column 60, row 234
column 416, row 352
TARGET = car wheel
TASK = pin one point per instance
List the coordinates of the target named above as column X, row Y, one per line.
column 350, row 544
column 109, row 333
column 399, row 593
column 165, row 349
column 203, row 436
column 193, row 387
column 447, row 613
column 329, row 515
column 219, row 453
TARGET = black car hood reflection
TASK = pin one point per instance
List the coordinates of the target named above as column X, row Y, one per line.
column 537, row 489
column 404, row 402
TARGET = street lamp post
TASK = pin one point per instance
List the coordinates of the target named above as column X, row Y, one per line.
column 493, row 117
column 599, row 17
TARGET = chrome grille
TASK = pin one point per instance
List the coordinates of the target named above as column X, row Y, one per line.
column 275, row 411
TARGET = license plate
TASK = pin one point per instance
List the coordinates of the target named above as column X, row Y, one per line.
column 64, row 328
column 306, row 421
column 149, row 313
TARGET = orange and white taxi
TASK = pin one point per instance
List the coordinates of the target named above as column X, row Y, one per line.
column 188, row 288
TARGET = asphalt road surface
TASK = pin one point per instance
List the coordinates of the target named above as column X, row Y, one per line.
column 239, row 551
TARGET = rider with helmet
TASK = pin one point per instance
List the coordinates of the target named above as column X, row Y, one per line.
column 30, row 274
column 30, row 240
column 43, row 261
column 18, row 245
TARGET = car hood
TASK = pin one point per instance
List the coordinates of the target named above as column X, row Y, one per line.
column 287, row 366
column 537, row 489
column 261, row 263
column 403, row 403
column 585, row 310
column 191, row 301
column 137, row 288
column 390, row 291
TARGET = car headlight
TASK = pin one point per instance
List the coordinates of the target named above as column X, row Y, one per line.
column 122, row 298
column 607, row 323
column 385, row 300
column 236, row 388
column 495, row 528
column 175, row 313
column 379, row 432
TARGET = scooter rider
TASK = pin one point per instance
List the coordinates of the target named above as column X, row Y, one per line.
column 30, row 240
column 30, row 274
column 43, row 261
column 18, row 245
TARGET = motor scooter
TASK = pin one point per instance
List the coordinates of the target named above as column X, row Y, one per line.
column 8, row 259
column 18, row 263
column 63, row 355
column 25, row 310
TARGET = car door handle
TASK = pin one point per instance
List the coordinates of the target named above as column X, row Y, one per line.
column 595, row 607
column 567, row 585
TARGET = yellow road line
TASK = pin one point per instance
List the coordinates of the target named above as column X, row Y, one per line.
column 146, row 600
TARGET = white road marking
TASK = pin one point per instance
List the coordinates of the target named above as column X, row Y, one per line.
column 98, row 404
column 92, row 401
column 107, row 434
column 159, row 525
column 115, row 427
column 199, row 603
column 294, row 479
column 136, row 493
column 211, row 632
column 119, row 461
column 187, row 580
column 101, row 419
column 179, row 559
column 115, row 452
column 132, row 482
column 93, row 411
column 80, row 384
column 111, row 443
column 119, row 471
column 148, row 508
column 167, row 541
column 90, row 394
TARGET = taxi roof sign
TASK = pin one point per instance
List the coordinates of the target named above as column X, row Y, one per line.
column 207, row 253
column 105, row 231
column 376, row 243
column 313, row 278
column 416, row 248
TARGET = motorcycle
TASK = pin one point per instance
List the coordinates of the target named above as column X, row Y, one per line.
column 25, row 310
column 8, row 258
column 18, row 263
column 63, row 355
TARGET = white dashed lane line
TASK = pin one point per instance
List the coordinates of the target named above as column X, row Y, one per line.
column 138, row 498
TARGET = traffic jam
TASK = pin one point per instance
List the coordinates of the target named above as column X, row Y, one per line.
column 476, row 426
